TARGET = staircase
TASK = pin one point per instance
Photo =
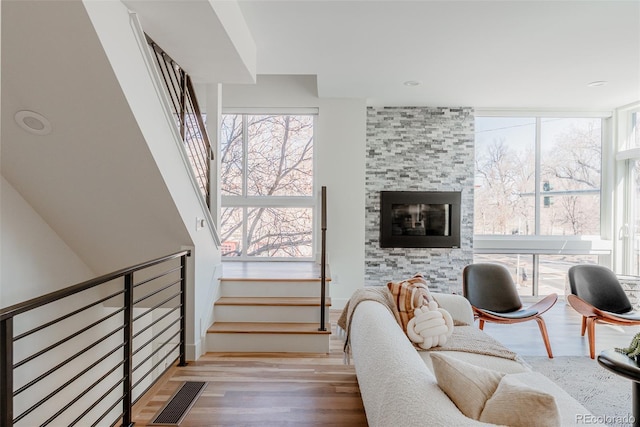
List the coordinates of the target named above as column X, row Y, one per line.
column 269, row 307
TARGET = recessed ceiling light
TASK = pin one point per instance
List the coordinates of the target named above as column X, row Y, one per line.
column 412, row 83
column 597, row 83
column 33, row 122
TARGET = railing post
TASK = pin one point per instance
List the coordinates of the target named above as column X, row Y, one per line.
column 323, row 260
column 182, row 96
column 127, row 397
column 183, row 311
column 6, row 373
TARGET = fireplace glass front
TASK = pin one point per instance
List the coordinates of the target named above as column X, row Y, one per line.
column 419, row 219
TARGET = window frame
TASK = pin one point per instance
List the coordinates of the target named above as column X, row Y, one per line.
column 536, row 244
column 245, row 202
column 625, row 155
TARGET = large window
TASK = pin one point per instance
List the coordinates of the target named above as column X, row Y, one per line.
column 267, row 186
column 537, row 196
column 538, row 176
column 505, row 175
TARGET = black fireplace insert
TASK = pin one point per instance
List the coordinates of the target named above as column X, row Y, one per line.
column 420, row 219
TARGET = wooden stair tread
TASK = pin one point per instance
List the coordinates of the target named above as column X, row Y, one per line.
column 273, row 301
column 267, row 328
column 273, row 279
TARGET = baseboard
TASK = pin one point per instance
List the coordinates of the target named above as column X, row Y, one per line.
column 194, row 351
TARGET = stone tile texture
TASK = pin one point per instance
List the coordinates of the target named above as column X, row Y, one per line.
column 419, row 149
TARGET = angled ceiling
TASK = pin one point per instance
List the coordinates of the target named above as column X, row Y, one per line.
column 491, row 54
column 93, row 178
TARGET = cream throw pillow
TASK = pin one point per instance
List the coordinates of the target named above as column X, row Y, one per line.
column 467, row 385
column 493, row 397
column 516, row 404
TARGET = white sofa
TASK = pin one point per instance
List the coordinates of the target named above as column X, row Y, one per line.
column 397, row 384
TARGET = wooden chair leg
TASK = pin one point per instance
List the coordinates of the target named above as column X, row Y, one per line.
column 591, row 332
column 584, row 326
column 481, row 324
column 545, row 336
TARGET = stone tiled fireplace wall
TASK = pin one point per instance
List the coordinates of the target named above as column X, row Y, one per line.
column 418, row 149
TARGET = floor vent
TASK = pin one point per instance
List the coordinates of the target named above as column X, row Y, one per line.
column 179, row 404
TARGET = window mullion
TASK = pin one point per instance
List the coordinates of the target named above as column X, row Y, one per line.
column 538, row 183
column 245, row 155
column 245, row 170
column 535, row 273
column 245, row 230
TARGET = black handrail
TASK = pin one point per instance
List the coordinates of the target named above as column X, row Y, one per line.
column 188, row 116
column 323, row 260
column 111, row 348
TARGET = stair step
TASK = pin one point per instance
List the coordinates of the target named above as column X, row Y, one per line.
column 273, row 279
column 270, row 307
column 273, row 271
column 267, row 337
column 273, row 301
column 266, row 289
column 267, row 328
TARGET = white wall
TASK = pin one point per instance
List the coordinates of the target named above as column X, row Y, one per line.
column 339, row 152
column 34, row 260
column 126, row 49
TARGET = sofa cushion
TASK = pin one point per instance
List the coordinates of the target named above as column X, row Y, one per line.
column 517, row 404
column 408, row 295
column 494, row 397
column 467, row 385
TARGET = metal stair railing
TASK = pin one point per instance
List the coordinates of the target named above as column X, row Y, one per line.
column 85, row 354
column 188, row 116
column 323, row 259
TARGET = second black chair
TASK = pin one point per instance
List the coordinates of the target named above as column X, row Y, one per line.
column 596, row 293
column 494, row 298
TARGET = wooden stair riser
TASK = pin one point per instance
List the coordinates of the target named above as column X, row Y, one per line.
column 268, row 343
column 283, row 314
column 253, row 288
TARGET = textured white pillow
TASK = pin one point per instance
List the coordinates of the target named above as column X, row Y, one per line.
column 430, row 326
column 517, row 404
column 468, row 386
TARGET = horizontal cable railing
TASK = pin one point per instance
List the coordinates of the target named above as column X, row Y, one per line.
column 188, row 116
column 85, row 354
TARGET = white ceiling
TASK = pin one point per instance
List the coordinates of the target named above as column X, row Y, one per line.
column 485, row 54
column 209, row 39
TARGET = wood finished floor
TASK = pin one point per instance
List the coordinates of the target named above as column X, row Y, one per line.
column 563, row 326
column 319, row 390
column 267, row 389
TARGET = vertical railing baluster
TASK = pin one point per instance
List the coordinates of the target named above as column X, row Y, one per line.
column 182, row 96
column 183, row 311
column 323, row 260
column 185, row 106
column 6, row 373
column 127, row 399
